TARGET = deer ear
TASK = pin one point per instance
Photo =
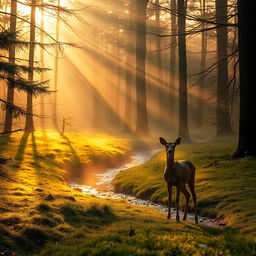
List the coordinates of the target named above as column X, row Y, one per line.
column 177, row 142
column 162, row 141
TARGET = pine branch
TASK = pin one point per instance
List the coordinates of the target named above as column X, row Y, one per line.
column 13, row 107
column 8, row 38
column 11, row 69
column 38, row 27
column 23, row 85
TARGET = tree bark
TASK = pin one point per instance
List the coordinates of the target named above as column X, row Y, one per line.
column 173, row 47
column 42, row 78
column 247, row 55
column 183, row 97
column 56, row 68
column 222, row 111
column 142, row 114
column 200, row 95
column 159, row 62
column 29, row 127
column 10, row 91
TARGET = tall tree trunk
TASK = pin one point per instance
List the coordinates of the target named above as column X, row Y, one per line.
column 29, row 127
column 142, row 114
column 173, row 47
column 200, row 99
column 247, row 55
column 183, row 97
column 42, row 78
column 118, row 72
column 223, row 115
column 129, row 65
column 159, row 64
column 10, row 92
column 56, row 68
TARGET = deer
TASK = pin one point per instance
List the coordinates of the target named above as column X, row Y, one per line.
column 179, row 174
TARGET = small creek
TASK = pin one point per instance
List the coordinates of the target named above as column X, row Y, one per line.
column 102, row 187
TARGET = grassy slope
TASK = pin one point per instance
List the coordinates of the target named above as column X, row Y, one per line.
column 88, row 225
column 37, row 170
column 226, row 189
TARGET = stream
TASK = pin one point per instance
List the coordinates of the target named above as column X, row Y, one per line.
column 102, row 187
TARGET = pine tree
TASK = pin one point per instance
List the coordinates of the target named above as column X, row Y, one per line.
column 10, row 91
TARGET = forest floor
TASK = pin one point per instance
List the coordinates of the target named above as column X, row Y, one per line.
column 225, row 187
column 42, row 215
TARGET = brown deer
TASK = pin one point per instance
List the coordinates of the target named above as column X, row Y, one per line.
column 179, row 174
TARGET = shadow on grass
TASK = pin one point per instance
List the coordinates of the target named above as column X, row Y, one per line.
column 96, row 214
column 5, row 139
column 75, row 166
column 19, row 157
column 36, row 155
column 75, row 156
column 211, row 230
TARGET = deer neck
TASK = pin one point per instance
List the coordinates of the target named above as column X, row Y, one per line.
column 170, row 166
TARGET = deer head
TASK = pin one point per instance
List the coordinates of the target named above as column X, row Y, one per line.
column 170, row 146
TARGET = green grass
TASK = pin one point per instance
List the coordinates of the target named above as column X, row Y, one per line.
column 226, row 189
column 38, row 169
column 149, row 244
column 30, row 225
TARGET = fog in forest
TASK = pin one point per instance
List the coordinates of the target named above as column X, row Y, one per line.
column 93, row 68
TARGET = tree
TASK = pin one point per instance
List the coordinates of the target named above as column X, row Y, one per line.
column 142, row 114
column 222, row 113
column 42, row 78
column 10, row 91
column 29, row 126
column 12, row 73
column 159, row 64
column 173, row 47
column 56, row 66
column 183, row 97
column 200, row 100
column 247, row 124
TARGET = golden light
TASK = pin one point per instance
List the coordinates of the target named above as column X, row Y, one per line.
column 65, row 3
column 25, row 9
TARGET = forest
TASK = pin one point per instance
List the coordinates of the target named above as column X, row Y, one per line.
column 101, row 102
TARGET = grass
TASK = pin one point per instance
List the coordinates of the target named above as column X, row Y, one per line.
column 225, row 188
column 72, row 223
column 38, row 170
column 149, row 244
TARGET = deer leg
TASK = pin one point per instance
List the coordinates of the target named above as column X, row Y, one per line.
column 169, row 187
column 177, row 203
column 192, row 189
column 187, row 195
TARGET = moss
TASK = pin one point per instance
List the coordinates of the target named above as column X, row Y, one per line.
column 44, row 208
column 146, row 243
column 35, row 236
column 40, row 162
column 95, row 214
column 11, row 221
column 44, row 222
